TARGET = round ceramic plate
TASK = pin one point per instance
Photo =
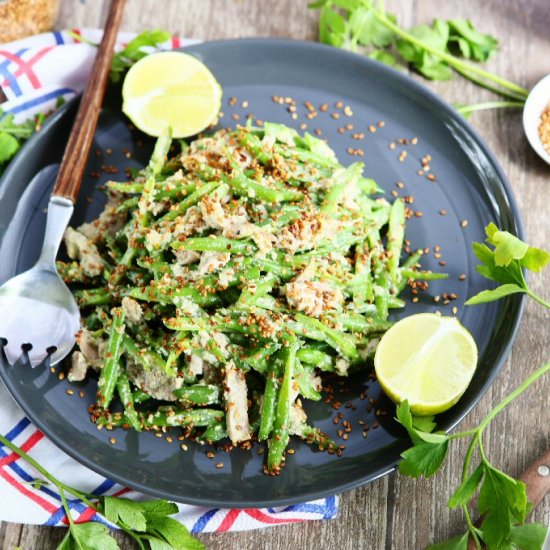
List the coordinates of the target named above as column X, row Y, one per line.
column 463, row 190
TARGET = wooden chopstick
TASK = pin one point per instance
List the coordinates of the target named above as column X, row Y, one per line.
column 78, row 147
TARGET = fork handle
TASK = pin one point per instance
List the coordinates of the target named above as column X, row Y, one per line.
column 82, row 134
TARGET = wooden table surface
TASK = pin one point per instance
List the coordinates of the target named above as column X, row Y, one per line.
column 395, row 512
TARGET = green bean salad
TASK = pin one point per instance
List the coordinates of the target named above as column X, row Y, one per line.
column 217, row 286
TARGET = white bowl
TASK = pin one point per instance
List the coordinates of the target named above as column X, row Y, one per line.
column 539, row 98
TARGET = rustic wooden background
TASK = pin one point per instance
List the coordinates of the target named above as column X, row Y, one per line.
column 394, row 512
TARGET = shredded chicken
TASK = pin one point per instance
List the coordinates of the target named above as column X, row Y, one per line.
column 235, row 394
column 79, row 247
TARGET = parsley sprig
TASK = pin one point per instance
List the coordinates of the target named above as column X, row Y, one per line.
column 435, row 51
column 148, row 523
column 13, row 135
column 504, row 264
column 502, row 500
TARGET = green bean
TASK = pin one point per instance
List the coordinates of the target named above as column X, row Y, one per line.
column 214, row 432
column 316, row 330
column 315, row 436
column 186, row 203
column 71, row 272
column 174, row 418
column 317, row 358
column 146, row 358
column 215, row 244
column 198, row 394
column 269, row 403
column 110, row 371
column 249, row 188
column 93, row 296
column 140, row 396
column 358, row 323
column 304, row 375
column 254, row 145
column 281, row 422
column 263, row 286
column 396, row 234
column 423, row 275
column 256, row 358
column 142, row 213
column 127, row 399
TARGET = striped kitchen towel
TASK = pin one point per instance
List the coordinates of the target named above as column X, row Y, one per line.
column 34, row 73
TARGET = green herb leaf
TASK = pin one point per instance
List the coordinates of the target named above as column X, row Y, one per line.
column 424, row 62
column 125, row 510
column 92, row 536
column 528, row 537
column 456, row 543
column 507, row 247
column 472, row 44
column 174, row 533
column 424, row 423
column 156, row 508
column 503, row 500
column 8, row 147
column 384, row 57
column 467, row 488
column 505, row 265
column 157, row 544
column 494, row 294
column 367, row 29
column 136, row 49
column 535, row 259
column 423, row 459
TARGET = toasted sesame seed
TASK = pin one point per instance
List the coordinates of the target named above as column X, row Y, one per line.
column 219, row 465
column 464, row 223
column 112, row 440
column 454, row 310
column 183, row 447
column 443, row 212
column 462, row 276
column 61, row 376
column 69, row 392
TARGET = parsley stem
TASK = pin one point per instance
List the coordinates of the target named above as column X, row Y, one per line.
column 66, row 506
column 59, row 484
column 538, row 299
column 510, row 397
column 480, row 82
column 450, row 59
column 465, row 110
column 465, row 472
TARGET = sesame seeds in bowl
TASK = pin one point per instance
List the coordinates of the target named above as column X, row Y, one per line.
column 536, row 118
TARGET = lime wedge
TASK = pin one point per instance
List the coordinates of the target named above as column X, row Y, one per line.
column 171, row 89
column 427, row 359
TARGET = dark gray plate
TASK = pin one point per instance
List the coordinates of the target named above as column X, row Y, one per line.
column 469, row 186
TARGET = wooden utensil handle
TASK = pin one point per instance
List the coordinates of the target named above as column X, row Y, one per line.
column 78, row 147
column 537, row 480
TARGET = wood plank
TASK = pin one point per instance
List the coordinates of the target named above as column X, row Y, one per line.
column 395, row 512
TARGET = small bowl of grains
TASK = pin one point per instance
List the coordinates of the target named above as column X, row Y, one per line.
column 536, row 118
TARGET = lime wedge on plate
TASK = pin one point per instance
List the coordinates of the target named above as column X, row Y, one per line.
column 171, row 89
column 427, row 359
